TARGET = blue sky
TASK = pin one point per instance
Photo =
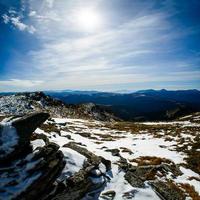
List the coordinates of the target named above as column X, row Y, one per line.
column 99, row 44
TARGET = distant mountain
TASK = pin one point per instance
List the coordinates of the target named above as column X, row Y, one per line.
column 140, row 105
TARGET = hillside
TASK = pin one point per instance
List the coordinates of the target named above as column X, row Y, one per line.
column 23, row 103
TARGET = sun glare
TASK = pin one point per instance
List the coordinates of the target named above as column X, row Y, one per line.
column 88, row 20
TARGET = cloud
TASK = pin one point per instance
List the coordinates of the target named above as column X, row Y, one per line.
column 125, row 45
column 139, row 49
column 16, row 21
column 6, row 19
column 50, row 3
column 19, row 84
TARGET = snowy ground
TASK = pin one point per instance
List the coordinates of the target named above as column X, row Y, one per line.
column 100, row 139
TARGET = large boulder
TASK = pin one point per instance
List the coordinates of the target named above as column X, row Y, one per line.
column 15, row 134
column 26, row 173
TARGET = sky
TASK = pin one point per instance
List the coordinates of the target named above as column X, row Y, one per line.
column 99, row 45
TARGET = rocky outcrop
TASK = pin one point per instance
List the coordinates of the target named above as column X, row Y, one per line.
column 87, row 181
column 137, row 176
column 26, row 173
column 92, row 158
column 16, row 133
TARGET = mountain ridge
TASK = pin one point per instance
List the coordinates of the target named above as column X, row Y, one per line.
column 23, row 103
column 140, row 105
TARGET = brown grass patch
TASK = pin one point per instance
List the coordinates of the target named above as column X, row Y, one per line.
column 50, row 128
column 191, row 191
column 150, row 160
column 2, row 117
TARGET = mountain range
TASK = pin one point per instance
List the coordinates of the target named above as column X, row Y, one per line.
column 137, row 106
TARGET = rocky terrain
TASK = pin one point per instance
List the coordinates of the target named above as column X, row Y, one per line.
column 85, row 159
column 26, row 172
column 23, row 103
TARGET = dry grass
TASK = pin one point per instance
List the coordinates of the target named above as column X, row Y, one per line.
column 50, row 128
column 172, row 185
column 191, row 191
column 169, row 132
column 108, row 137
column 150, row 160
column 2, row 117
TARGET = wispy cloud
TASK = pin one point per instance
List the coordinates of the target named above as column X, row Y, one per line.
column 142, row 48
column 18, row 84
column 15, row 19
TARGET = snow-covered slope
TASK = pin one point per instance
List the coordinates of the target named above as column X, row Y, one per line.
column 158, row 147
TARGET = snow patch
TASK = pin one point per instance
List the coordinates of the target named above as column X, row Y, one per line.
column 8, row 137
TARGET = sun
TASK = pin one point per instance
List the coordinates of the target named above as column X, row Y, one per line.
column 88, row 20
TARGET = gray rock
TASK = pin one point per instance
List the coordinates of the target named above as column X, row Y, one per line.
column 168, row 191
column 24, row 128
column 134, row 180
column 26, row 125
column 24, row 173
column 108, row 195
column 114, row 152
column 81, row 184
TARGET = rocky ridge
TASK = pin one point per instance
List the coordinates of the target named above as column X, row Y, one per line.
column 23, row 103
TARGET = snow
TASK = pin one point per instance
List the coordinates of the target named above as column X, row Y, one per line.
column 151, row 147
column 21, row 176
column 117, row 182
column 144, row 194
column 167, row 123
column 185, row 117
column 185, row 178
column 74, row 162
column 183, row 123
column 37, row 143
column 9, row 138
column 142, row 144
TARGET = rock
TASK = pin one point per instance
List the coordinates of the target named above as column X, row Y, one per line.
column 19, row 129
column 137, row 175
column 106, row 162
column 69, row 137
column 62, row 124
column 123, row 164
column 134, row 180
column 108, row 195
column 35, row 136
column 24, row 173
column 115, row 152
column 88, row 180
column 92, row 158
column 75, row 187
column 130, row 194
column 84, row 134
column 126, row 150
column 27, row 124
column 168, row 190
